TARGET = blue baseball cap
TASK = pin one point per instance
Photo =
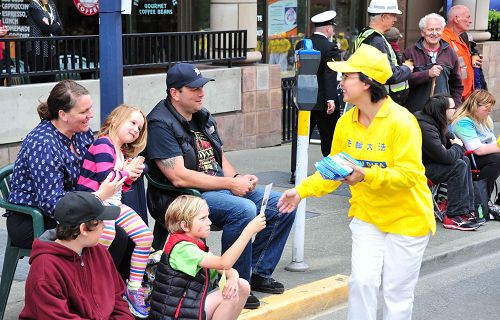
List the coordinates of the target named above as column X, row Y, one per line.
column 185, row 74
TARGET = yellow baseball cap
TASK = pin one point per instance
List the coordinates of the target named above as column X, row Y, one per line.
column 369, row 61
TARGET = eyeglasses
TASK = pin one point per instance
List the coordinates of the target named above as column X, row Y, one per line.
column 452, row 108
column 349, row 76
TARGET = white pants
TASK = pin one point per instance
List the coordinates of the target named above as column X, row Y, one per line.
column 394, row 257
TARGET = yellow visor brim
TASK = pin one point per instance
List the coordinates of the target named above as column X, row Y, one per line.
column 342, row 66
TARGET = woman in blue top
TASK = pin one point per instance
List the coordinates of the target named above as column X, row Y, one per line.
column 473, row 125
column 48, row 164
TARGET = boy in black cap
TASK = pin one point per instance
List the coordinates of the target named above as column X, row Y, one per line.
column 71, row 276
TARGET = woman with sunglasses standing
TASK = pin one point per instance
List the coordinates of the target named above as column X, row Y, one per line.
column 391, row 205
column 443, row 156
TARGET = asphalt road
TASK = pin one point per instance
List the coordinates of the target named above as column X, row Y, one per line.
column 466, row 291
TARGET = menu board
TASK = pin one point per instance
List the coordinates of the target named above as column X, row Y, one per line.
column 14, row 15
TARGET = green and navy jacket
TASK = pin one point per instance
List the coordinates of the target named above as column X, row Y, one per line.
column 399, row 80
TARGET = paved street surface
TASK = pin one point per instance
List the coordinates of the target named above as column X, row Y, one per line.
column 466, row 291
column 328, row 245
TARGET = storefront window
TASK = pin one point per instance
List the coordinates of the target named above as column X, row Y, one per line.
column 282, row 23
column 200, row 15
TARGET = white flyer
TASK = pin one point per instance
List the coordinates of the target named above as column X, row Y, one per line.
column 267, row 193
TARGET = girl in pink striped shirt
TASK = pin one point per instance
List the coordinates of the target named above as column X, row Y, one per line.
column 122, row 137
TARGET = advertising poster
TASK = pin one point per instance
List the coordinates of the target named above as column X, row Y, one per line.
column 282, row 17
column 282, row 27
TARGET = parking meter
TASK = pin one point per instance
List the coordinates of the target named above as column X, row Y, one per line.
column 306, row 93
column 306, row 66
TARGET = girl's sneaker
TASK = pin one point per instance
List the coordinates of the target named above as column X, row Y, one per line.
column 136, row 302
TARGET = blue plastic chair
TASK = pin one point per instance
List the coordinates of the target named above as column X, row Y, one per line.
column 13, row 253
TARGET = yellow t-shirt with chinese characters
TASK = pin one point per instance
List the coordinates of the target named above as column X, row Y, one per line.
column 394, row 195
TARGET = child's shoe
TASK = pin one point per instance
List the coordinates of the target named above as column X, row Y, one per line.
column 136, row 302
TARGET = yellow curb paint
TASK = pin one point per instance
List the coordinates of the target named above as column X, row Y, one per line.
column 302, row 301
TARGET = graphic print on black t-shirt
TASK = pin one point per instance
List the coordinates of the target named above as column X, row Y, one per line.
column 206, row 157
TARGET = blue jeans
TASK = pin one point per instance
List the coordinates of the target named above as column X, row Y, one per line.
column 232, row 213
column 458, row 179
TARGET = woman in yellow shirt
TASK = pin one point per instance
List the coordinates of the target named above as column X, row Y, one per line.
column 391, row 205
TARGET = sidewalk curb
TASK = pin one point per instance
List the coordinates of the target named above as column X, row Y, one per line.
column 464, row 250
column 302, row 301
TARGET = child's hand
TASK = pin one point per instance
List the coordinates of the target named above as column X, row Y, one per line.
column 138, row 161
column 230, row 290
column 134, row 167
column 257, row 224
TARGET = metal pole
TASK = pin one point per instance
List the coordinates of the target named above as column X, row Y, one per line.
column 298, row 263
column 110, row 56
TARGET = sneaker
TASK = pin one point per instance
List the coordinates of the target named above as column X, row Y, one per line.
column 267, row 285
column 459, row 223
column 252, row 302
column 471, row 216
column 494, row 211
column 136, row 302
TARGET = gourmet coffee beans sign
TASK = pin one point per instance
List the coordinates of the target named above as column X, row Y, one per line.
column 87, row 7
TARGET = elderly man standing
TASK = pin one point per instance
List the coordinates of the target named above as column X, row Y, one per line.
column 436, row 65
column 383, row 15
column 459, row 21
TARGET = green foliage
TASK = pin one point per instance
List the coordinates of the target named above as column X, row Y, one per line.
column 493, row 15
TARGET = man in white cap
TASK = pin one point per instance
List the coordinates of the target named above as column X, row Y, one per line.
column 383, row 15
column 325, row 114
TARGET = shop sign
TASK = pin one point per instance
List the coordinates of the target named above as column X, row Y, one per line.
column 87, row 7
column 155, row 7
column 14, row 16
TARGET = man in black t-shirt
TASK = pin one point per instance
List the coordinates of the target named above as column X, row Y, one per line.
column 184, row 149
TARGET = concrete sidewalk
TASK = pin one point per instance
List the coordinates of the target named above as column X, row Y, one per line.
column 327, row 244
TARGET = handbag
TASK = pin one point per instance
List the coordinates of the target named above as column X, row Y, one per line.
column 494, row 207
column 481, row 198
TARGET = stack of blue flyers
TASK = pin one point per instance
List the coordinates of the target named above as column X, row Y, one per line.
column 334, row 167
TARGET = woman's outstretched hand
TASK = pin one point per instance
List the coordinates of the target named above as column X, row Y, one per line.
column 288, row 201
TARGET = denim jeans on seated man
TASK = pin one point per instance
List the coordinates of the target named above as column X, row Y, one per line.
column 458, row 179
column 233, row 213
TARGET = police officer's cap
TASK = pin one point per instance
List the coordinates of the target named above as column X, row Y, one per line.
column 324, row 18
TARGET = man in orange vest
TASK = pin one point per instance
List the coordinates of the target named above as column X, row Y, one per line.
column 459, row 21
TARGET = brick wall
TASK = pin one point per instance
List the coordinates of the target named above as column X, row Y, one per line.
column 491, row 70
column 259, row 122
